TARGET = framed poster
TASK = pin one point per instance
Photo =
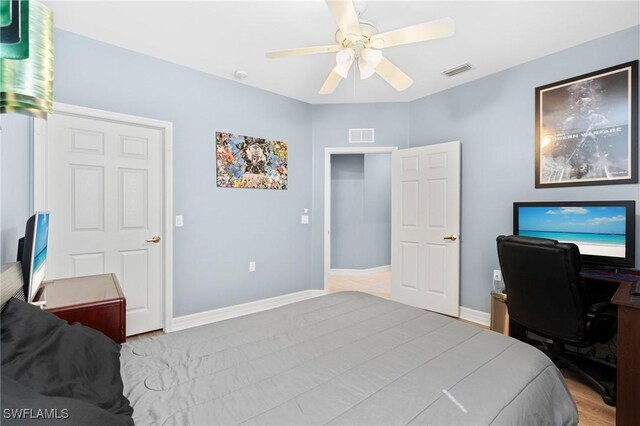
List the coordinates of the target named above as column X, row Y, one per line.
column 587, row 129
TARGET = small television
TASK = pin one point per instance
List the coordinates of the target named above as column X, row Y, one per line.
column 604, row 231
column 32, row 253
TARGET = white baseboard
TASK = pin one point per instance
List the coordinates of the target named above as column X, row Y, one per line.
column 214, row 315
column 479, row 317
column 207, row 317
column 369, row 271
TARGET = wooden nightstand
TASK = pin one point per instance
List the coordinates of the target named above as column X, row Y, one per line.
column 96, row 301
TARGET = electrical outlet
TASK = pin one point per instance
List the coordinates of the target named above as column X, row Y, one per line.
column 497, row 275
column 252, row 266
column 304, row 219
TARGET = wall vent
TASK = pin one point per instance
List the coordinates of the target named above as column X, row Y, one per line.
column 361, row 135
column 457, row 69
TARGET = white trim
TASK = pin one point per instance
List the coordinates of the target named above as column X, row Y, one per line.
column 479, row 317
column 80, row 111
column 41, row 190
column 167, row 130
column 215, row 315
column 327, row 195
column 359, row 272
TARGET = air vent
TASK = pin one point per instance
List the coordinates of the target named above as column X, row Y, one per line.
column 457, row 70
column 361, row 135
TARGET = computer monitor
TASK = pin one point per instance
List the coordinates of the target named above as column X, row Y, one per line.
column 604, row 231
column 32, row 252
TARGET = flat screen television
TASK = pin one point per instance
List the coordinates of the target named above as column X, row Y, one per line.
column 604, row 231
column 32, row 252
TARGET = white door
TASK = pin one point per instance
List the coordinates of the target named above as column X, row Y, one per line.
column 425, row 224
column 105, row 194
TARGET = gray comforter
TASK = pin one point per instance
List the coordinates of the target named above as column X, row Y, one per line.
column 345, row 358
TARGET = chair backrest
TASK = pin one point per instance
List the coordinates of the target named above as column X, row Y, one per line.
column 543, row 284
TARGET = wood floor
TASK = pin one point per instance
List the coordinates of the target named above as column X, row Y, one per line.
column 591, row 409
column 377, row 284
column 145, row 335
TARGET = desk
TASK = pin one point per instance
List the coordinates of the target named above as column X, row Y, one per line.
column 606, row 275
column 628, row 368
column 96, row 301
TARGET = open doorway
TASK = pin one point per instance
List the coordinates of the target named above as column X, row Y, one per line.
column 358, row 220
column 425, row 224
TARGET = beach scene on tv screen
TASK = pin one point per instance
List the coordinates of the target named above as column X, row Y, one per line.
column 597, row 231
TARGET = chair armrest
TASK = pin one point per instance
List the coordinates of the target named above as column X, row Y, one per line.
column 601, row 308
column 602, row 321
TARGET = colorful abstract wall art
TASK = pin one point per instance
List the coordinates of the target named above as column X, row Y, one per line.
column 248, row 162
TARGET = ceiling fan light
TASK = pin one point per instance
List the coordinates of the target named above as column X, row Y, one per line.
column 366, row 70
column 345, row 57
column 342, row 69
column 371, row 56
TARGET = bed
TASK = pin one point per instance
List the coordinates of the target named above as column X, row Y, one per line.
column 346, row 358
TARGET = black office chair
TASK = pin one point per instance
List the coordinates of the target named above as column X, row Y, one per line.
column 546, row 295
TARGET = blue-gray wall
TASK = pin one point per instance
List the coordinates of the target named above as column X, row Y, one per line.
column 360, row 211
column 15, row 182
column 493, row 118
column 223, row 229
column 377, row 208
column 330, row 125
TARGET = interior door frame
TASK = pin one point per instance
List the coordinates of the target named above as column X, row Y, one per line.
column 41, row 190
column 328, row 152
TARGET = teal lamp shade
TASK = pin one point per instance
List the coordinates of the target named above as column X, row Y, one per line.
column 26, row 85
column 14, row 29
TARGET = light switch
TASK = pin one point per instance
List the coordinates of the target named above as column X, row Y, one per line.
column 179, row 222
column 304, row 219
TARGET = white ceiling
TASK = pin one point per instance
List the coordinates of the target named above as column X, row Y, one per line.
column 220, row 37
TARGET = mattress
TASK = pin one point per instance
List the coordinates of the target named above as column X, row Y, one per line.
column 343, row 359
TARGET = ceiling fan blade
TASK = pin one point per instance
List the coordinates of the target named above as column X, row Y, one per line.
column 346, row 18
column 311, row 50
column 393, row 75
column 433, row 30
column 330, row 83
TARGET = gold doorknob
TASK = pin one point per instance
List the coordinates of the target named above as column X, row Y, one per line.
column 155, row 240
column 451, row 237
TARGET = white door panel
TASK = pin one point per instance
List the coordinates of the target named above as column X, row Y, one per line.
column 426, row 210
column 105, row 181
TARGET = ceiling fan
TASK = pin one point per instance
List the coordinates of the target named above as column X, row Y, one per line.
column 357, row 40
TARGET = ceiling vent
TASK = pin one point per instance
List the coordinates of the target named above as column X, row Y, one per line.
column 361, row 135
column 457, row 70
